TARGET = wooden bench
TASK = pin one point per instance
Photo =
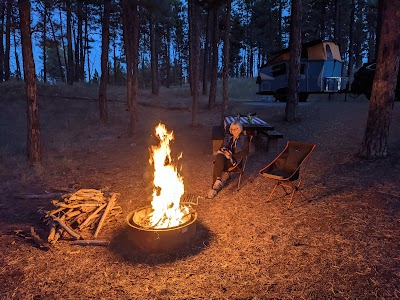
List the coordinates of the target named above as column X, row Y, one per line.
column 217, row 137
column 273, row 139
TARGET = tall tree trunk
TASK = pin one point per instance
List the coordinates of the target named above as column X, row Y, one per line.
column 63, row 46
column 375, row 142
column 115, row 61
column 214, row 60
column 337, row 20
column 127, row 33
column 294, row 62
column 206, row 59
column 57, row 49
column 17, row 64
column 2, row 11
column 351, row 40
column 195, row 47
column 168, row 58
column 225, row 71
column 378, row 27
column 7, row 71
column 80, row 41
column 154, row 55
column 105, row 39
column 34, row 149
column 70, row 65
column 87, row 50
column 135, row 67
column 190, row 37
column 44, row 40
column 130, row 22
column 251, row 64
column 280, row 33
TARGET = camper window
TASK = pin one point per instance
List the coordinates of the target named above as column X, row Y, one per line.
column 328, row 52
column 278, row 70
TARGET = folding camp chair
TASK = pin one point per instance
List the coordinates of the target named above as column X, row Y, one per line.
column 285, row 168
column 238, row 168
column 241, row 165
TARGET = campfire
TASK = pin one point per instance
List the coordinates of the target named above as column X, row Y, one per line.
column 166, row 212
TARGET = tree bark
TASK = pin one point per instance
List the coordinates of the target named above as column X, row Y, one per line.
column 375, row 141
column 294, row 62
column 44, row 39
column 225, row 71
column 70, row 66
column 63, row 46
column 135, row 68
column 214, row 60
column 34, row 149
column 87, row 51
column 2, row 11
column 105, row 39
column 195, row 56
column 57, row 50
column 18, row 75
column 206, row 59
column 80, row 41
column 7, row 71
column 154, row 55
column 130, row 22
column 351, row 39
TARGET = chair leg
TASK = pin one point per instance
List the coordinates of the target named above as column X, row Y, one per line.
column 273, row 190
column 291, row 197
column 283, row 187
column 296, row 188
column 240, row 177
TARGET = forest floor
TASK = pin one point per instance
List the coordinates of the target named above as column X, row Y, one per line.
column 341, row 243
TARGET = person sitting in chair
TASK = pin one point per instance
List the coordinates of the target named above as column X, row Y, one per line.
column 233, row 149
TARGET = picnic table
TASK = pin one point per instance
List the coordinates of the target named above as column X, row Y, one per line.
column 254, row 126
column 251, row 124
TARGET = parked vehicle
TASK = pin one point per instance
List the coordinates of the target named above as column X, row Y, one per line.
column 363, row 79
column 320, row 72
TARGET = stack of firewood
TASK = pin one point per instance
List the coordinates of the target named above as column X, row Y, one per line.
column 79, row 213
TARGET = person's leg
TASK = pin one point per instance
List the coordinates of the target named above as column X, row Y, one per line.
column 219, row 166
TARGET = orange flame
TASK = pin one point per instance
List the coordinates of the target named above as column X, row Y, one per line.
column 168, row 184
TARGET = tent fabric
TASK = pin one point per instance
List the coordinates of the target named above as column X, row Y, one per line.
column 324, row 50
column 313, row 51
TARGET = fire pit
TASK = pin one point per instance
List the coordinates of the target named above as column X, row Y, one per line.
column 166, row 224
column 157, row 240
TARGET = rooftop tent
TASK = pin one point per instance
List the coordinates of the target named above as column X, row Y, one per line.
column 324, row 51
column 315, row 50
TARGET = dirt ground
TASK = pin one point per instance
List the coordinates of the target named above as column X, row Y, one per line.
column 341, row 243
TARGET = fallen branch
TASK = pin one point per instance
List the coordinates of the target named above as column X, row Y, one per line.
column 106, row 211
column 66, row 228
column 92, row 216
column 38, row 241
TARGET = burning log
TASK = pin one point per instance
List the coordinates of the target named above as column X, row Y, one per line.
column 82, row 210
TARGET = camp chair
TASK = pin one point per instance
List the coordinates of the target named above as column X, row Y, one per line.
column 241, row 165
column 285, row 168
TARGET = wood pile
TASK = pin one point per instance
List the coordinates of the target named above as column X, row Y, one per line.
column 78, row 214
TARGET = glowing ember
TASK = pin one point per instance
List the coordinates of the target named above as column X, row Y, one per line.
column 168, row 185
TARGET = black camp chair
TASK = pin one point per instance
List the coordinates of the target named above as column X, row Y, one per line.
column 285, row 168
column 240, row 166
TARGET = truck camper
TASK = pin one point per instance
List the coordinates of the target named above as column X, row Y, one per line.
column 320, row 72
